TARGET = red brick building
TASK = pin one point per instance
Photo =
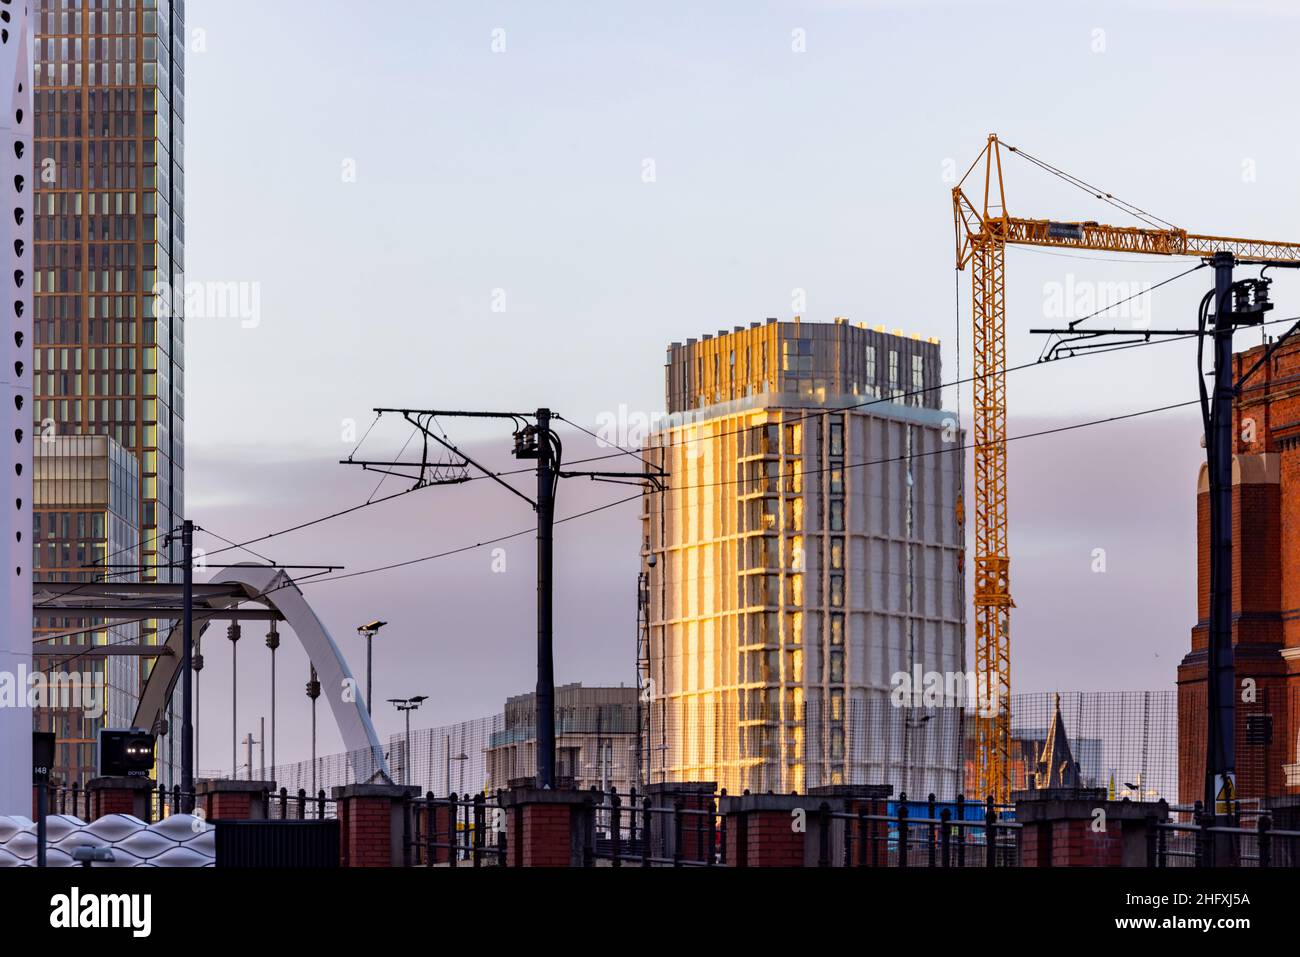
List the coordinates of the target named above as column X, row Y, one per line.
column 1265, row 590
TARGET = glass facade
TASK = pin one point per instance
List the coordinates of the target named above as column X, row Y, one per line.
column 86, row 515
column 808, row 360
column 108, row 238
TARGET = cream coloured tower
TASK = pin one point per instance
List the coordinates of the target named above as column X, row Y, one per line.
column 807, row 548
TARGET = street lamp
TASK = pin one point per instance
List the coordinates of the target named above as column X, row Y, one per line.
column 368, row 632
column 407, row 705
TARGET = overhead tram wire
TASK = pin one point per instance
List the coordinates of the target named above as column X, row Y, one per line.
column 320, row 577
column 91, row 569
column 1142, row 292
column 317, row 578
column 631, row 498
column 903, row 394
column 1106, row 420
column 346, row 511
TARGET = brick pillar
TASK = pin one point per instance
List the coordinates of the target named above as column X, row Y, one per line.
column 695, row 828
column 1062, row 827
column 372, row 824
column 763, row 830
column 548, row 828
column 224, row 800
column 119, row 796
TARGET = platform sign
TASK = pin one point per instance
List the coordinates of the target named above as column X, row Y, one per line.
column 42, row 756
column 1225, row 792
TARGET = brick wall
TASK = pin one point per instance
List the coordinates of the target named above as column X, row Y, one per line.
column 365, row 829
column 1265, row 587
column 545, row 835
column 764, row 839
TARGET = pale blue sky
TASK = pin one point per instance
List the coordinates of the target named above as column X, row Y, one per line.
column 522, row 171
column 775, row 170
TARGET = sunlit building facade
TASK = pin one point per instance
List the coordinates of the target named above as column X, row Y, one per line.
column 108, row 246
column 807, row 548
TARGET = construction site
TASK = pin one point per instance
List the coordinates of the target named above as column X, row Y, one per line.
column 805, row 572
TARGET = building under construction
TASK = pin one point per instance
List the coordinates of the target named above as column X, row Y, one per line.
column 806, row 551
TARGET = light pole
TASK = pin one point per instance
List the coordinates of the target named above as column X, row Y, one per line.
column 368, row 632
column 233, row 632
column 313, row 692
column 460, row 757
column 407, row 705
column 273, row 642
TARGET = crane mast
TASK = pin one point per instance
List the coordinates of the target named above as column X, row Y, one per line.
column 982, row 234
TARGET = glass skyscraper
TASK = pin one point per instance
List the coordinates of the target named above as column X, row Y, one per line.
column 108, row 237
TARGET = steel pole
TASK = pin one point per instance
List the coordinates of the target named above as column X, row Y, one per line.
column 273, row 642
column 545, row 655
column 313, row 732
column 273, row 707
column 187, row 664
column 42, row 811
column 234, row 707
column 1220, row 737
column 406, row 750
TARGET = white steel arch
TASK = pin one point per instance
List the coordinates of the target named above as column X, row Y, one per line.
column 273, row 587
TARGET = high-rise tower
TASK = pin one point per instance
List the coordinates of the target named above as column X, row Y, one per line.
column 807, row 550
column 108, row 172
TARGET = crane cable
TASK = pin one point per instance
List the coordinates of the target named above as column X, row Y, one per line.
column 1124, row 206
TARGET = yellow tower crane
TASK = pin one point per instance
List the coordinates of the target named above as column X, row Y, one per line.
column 983, row 230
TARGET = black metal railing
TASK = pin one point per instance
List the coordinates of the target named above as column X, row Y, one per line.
column 73, row 800
column 948, row 834
column 682, row 830
column 1193, row 839
column 164, row 802
column 458, row 830
column 284, row 806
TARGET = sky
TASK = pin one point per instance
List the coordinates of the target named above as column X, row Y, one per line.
column 509, row 205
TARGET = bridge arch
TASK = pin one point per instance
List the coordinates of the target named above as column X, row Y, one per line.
column 273, row 587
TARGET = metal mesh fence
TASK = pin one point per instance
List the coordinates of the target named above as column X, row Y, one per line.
column 1124, row 741
column 446, row 759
